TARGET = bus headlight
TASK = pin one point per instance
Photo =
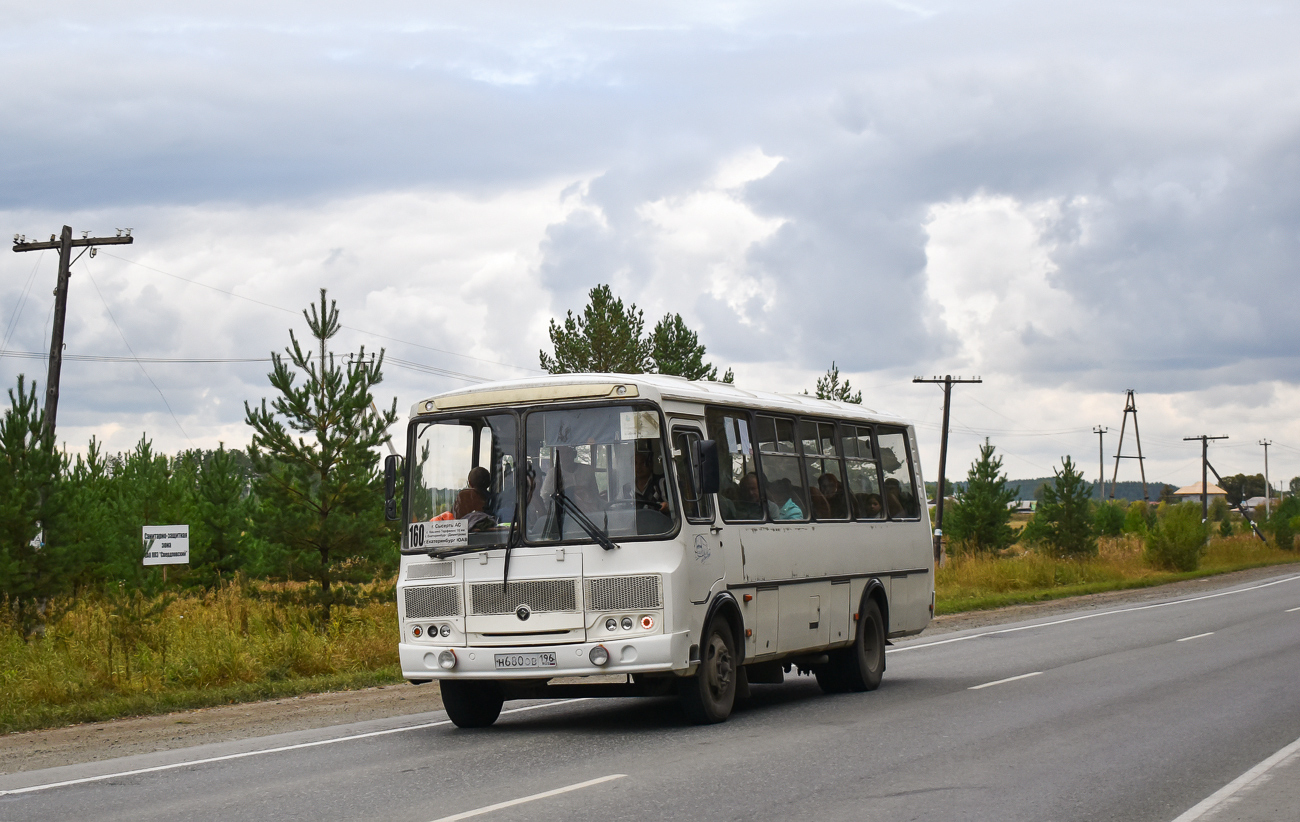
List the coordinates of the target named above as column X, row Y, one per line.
column 445, row 630
column 598, row 655
column 447, row 659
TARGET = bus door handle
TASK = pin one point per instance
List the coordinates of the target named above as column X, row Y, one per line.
column 715, row 529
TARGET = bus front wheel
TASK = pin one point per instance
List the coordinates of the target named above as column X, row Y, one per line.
column 471, row 704
column 709, row 696
column 860, row 667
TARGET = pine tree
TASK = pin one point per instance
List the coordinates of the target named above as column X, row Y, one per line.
column 1063, row 520
column 829, row 387
column 321, row 494
column 980, row 518
column 607, row 338
column 676, row 349
column 32, row 560
column 219, row 544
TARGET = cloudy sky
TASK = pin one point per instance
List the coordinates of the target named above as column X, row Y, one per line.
column 1068, row 199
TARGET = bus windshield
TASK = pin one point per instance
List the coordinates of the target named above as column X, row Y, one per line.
column 603, row 464
column 465, row 469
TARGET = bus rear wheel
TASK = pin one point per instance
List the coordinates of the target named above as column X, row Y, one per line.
column 471, row 703
column 709, row 696
column 861, row 666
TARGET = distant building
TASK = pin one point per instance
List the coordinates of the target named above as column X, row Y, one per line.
column 1192, row 493
column 1023, row 506
column 1257, row 502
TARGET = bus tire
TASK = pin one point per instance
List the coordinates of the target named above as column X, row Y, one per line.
column 860, row 667
column 709, row 696
column 471, row 704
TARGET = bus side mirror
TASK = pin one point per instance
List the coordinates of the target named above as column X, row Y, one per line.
column 392, row 464
column 704, row 458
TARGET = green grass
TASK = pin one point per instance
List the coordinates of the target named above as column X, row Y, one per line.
column 121, row 654
column 973, row 583
column 29, row 716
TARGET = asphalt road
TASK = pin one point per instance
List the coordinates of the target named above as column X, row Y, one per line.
column 1138, row 712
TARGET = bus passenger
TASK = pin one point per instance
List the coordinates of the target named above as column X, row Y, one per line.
column 832, row 491
column 651, row 490
column 749, row 505
column 474, row 497
column 781, row 504
column 871, row 507
column 894, row 495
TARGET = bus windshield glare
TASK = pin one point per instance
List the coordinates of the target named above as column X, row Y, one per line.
column 465, row 469
column 605, row 464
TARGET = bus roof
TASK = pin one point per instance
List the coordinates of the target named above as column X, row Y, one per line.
column 659, row 387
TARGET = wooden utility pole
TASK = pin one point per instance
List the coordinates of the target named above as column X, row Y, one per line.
column 1205, row 475
column 64, row 244
column 947, row 381
column 1130, row 407
column 1268, row 486
column 1101, row 460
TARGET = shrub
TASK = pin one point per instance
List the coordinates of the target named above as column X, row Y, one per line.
column 1225, row 527
column 1109, row 519
column 1178, row 540
column 1138, row 518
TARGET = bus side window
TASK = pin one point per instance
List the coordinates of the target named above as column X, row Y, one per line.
column 900, row 492
column 697, row 509
column 861, row 475
column 825, row 472
column 783, row 484
column 740, row 498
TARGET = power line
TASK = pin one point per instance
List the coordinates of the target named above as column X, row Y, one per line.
column 349, row 327
column 109, row 311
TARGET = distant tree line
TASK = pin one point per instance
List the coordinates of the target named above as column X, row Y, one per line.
column 1068, row 522
column 302, row 502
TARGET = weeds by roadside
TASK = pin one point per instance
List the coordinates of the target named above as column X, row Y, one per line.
column 970, row 582
column 121, row 652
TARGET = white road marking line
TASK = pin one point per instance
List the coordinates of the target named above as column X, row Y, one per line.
column 521, row 800
column 1216, row 798
column 918, row 646
column 1198, row 636
column 173, row 766
column 1000, row 681
column 1292, row 610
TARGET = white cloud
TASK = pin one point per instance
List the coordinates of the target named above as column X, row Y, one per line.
column 989, row 268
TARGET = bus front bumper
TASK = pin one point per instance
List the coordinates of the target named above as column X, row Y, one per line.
column 662, row 652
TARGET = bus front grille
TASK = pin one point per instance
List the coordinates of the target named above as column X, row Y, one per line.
column 540, row 595
column 429, row 570
column 623, row 594
column 432, row 601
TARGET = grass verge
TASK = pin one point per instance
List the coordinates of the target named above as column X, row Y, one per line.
column 974, row 583
column 30, row 717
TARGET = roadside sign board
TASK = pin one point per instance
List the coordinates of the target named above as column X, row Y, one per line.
column 166, row 544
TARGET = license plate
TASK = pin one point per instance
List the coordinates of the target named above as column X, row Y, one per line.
column 511, row 661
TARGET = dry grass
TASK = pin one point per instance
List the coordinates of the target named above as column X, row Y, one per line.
column 110, row 655
column 971, row 582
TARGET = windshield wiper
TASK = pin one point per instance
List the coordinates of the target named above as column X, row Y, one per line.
column 583, row 522
column 568, row 505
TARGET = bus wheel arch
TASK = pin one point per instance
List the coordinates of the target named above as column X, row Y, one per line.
column 861, row 666
column 709, row 696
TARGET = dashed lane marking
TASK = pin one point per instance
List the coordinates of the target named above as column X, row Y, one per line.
column 533, row 798
column 1001, row 681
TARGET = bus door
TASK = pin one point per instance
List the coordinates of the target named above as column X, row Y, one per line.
column 704, row 559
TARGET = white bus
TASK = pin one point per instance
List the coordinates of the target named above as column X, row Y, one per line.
column 659, row 536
